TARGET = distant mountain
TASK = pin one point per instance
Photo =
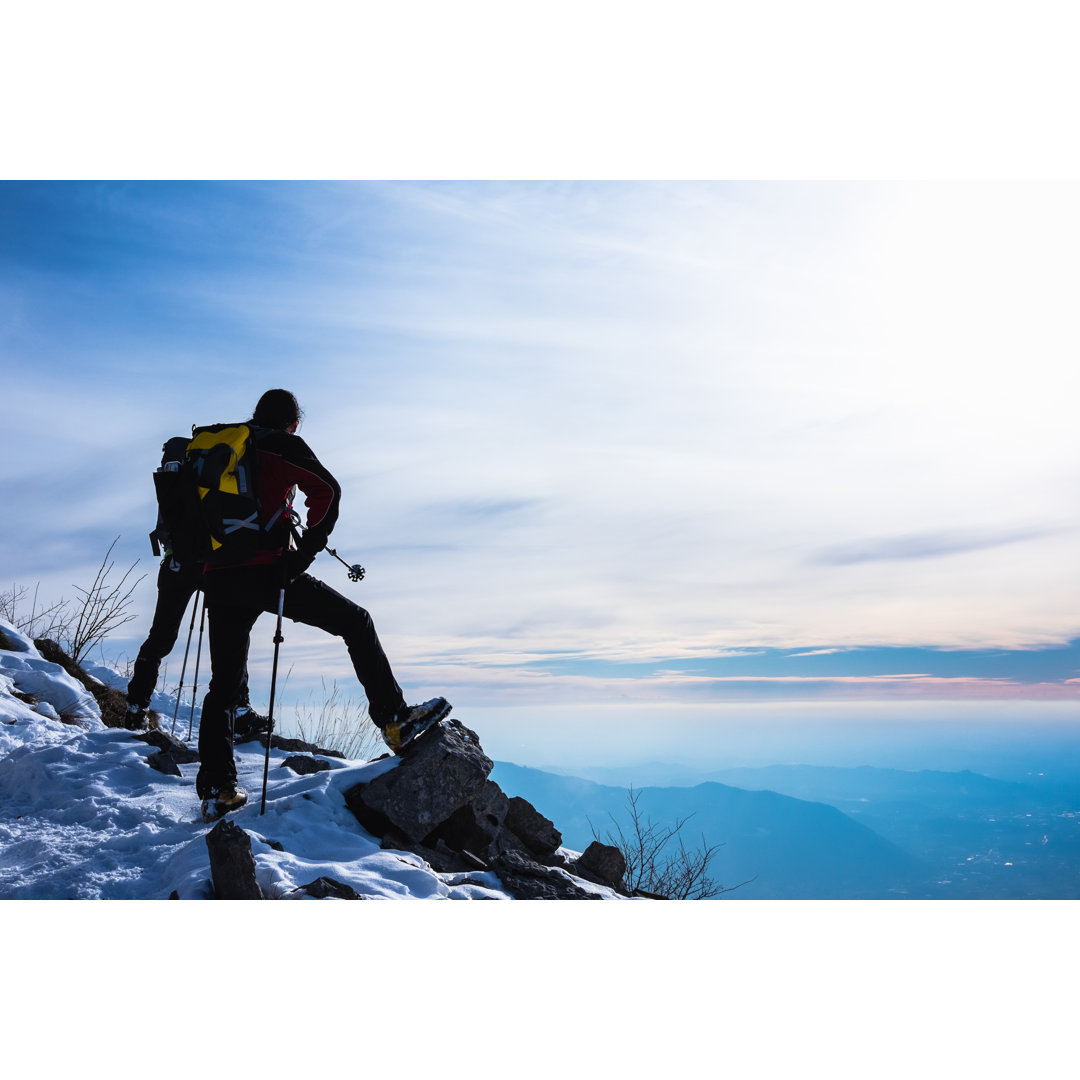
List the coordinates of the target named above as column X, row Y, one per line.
column 969, row 836
column 867, row 784
column 987, row 838
column 792, row 848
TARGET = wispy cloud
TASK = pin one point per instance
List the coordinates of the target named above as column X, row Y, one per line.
column 634, row 422
column 927, row 545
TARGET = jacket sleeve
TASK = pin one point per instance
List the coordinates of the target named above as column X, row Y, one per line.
column 291, row 462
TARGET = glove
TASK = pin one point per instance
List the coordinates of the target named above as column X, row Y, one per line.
column 296, row 563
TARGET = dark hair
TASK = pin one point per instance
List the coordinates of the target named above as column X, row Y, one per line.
column 277, row 409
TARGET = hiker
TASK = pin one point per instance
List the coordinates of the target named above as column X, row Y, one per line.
column 238, row 592
column 179, row 576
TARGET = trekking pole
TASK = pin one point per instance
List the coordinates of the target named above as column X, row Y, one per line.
column 183, row 669
column 195, row 688
column 278, row 639
column 356, row 571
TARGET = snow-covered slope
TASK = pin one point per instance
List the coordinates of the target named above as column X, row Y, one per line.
column 82, row 814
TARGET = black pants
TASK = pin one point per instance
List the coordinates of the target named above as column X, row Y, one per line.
column 176, row 583
column 235, row 598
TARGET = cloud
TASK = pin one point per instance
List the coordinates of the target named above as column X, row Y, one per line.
column 650, row 422
column 926, row 545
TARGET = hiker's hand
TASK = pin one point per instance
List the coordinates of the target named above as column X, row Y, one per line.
column 296, row 563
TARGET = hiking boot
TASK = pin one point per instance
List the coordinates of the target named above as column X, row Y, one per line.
column 411, row 723
column 221, row 800
column 135, row 718
column 247, row 723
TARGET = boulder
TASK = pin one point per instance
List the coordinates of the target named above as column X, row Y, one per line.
column 535, row 831
column 476, row 829
column 602, row 863
column 527, row 879
column 446, row 771
column 232, row 865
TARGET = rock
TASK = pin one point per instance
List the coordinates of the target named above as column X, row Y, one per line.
column 305, row 766
column 297, row 746
column 164, row 741
column 327, row 888
column 164, row 762
column 232, row 865
column 476, row 829
column 602, row 863
column 527, row 879
column 172, row 753
column 438, row 803
column 445, row 772
column 535, row 831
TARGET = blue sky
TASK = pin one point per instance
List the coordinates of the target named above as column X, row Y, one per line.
column 666, row 444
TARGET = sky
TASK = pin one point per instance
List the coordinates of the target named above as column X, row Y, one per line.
column 607, row 448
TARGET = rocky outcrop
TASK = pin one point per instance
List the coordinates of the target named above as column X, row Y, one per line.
column 439, row 803
column 445, row 772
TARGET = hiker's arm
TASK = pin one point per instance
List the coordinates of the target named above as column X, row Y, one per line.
column 322, row 497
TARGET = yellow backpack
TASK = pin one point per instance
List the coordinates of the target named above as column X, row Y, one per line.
column 221, row 461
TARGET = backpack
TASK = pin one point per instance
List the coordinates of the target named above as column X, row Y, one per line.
column 208, row 507
column 221, row 465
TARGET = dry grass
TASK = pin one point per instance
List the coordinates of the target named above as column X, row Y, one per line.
column 338, row 723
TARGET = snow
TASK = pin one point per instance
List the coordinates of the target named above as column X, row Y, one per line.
column 83, row 816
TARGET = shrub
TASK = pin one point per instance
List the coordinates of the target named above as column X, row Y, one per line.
column 658, row 863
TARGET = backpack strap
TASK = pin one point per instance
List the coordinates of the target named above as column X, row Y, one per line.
column 232, row 525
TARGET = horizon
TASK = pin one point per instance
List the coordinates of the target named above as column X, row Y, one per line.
column 670, row 445
column 1004, row 740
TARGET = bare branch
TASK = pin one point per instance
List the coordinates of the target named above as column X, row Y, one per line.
column 53, row 621
column 652, row 867
column 103, row 608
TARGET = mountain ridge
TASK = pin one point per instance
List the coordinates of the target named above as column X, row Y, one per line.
column 791, row 848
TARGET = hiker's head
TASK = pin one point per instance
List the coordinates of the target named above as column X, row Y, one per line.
column 278, row 409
